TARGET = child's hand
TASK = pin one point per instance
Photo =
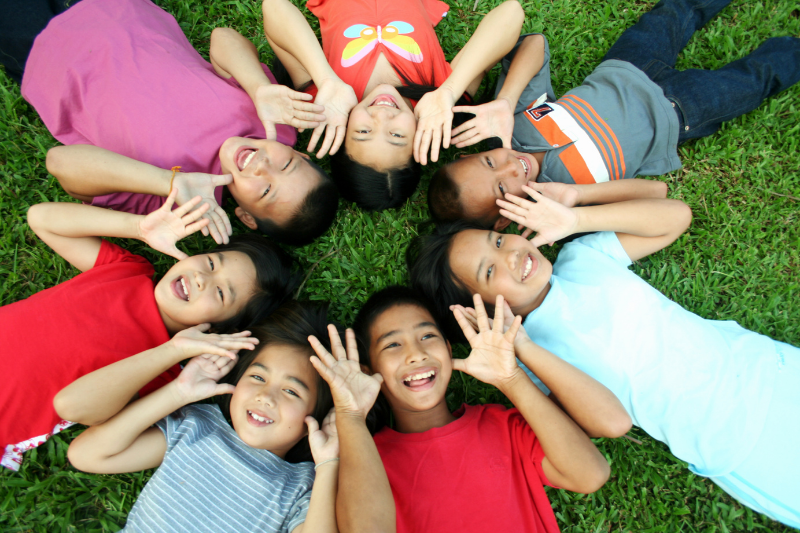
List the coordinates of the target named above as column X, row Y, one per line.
column 278, row 104
column 549, row 219
column 492, row 119
column 198, row 379
column 492, row 359
column 508, row 320
column 193, row 184
column 162, row 228
column 353, row 391
column 338, row 99
column 566, row 194
column 434, row 114
column 193, row 341
column 324, row 441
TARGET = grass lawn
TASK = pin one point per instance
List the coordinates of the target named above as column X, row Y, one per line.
column 739, row 260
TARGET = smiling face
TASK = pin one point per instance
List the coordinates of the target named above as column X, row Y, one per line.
column 205, row 288
column 270, row 179
column 484, row 178
column 491, row 263
column 408, row 350
column 380, row 130
column 273, row 397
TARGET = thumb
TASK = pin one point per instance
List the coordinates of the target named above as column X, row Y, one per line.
column 378, row 378
column 224, row 388
column 312, row 424
column 272, row 133
column 177, row 254
column 460, row 365
column 203, row 327
column 506, row 142
column 225, row 179
column 538, row 240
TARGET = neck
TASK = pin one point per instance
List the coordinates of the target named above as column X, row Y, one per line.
column 419, row 421
column 383, row 72
column 172, row 326
column 536, row 303
column 539, row 157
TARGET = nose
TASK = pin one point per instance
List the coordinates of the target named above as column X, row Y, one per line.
column 266, row 395
column 382, row 112
column 511, row 168
column 201, row 279
column 512, row 260
column 416, row 355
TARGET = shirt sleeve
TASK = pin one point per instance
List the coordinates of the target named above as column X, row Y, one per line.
column 607, row 243
column 436, row 10
column 111, row 253
column 299, row 510
column 539, row 85
column 169, row 426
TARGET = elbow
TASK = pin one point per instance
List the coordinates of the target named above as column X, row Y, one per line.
column 515, row 14
column 78, row 454
column 660, row 189
column 683, row 217
column 597, row 477
column 36, row 215
column 218, row 37
column 70, row 410
column 57, row 162
column 618, row 426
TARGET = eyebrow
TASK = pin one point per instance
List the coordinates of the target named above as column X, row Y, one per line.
column 293, row 379
column 390, row 142
column 480, row 265
column 395, row 331
column 230, row 287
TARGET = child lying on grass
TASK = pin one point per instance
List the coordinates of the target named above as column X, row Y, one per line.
column 382, row 70
column 235, row 468
column 718, row 395
column 114, row 310
column 481, row 468
column 626, row 119
column 149, row 102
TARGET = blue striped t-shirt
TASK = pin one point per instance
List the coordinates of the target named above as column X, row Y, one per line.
column 210, row 480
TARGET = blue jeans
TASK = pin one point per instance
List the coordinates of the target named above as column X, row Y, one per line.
column 704, row 99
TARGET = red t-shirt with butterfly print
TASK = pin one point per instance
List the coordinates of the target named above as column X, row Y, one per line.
column 356, row 32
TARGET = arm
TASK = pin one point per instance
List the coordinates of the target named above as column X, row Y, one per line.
column 643, row 225
column 73, row 230
column 127, row 442
column 365, row 501
column 324, row 445
column 87, row 171
column 494, row 37
column 496, row 118
column 571, row 460
column 99, row 395
column 607, row 192
column 289, row 34
column 233, row 55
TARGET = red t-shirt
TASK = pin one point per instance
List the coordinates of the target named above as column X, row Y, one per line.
column 356, row 32
column 482, row 472
column 57, row 335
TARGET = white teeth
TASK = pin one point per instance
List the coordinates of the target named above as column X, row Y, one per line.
column 385, row 104
column 524, row 165
column 528, row 266
column 246, row 161
column 185, row 289
column 260, row 418
column 424, row 375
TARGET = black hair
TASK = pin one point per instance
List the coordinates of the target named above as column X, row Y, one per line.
column 374, row 190
column 444, row 201
column 428, row 259
column 377, row 304
column 274, row 284
column 290, row 326
column 313, row 216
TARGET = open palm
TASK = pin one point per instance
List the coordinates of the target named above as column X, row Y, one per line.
column 164, row 227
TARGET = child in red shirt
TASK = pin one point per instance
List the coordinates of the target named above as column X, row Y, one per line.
column 481, row 468
column 378, row 58
column 113, row 310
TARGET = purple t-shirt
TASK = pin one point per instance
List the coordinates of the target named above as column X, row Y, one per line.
column 122, row 76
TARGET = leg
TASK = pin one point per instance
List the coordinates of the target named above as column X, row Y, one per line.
column 769, row 479
column 22, row 21
column 707, row 98
column 655, row 41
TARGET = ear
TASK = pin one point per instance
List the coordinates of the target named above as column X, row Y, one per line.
column 304, row 155
column 246, row 218
column 366, row 370
column 501, row 224
column 462, row 155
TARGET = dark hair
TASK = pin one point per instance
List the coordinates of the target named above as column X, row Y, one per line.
column 443, row 197
column 428, row 259
column 290, row 326
column 311, row 219
column 373, row 190
column 377, row 304
column 274, row 284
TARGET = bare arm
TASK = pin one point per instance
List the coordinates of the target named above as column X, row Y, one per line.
column 321, row 515
column 99, row 395
column 527, row 62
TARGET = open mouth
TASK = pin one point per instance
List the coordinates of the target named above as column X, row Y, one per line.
column 528, row 266
column 385, row 100
column 244, row 156
column 420, row 380
column 180, row 288
column 258, row 420
column 526, row 166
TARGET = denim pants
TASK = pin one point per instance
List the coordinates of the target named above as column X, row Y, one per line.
column 704, row 99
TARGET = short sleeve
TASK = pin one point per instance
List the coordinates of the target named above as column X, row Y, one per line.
column 539, row 85
column 436, row 10
column 526, row 443
column 111, row 253
column 298, row 511
column 169, row 426
column 605, row 242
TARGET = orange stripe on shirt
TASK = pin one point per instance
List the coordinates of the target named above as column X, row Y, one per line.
column 576, row 166
column 578, row 114
column 550, row 130
column 607, row 128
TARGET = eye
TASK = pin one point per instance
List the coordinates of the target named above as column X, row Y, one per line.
column 221, row 295
column 489, row 272
column 363, row 132
column 488, row 162
column 397, row 135
column 287, row 165
column 498, row 242
column 429, row 336
column 291, row 392
column 257, row 377
column 502, row 189
column 211, row 263
column 266, row 191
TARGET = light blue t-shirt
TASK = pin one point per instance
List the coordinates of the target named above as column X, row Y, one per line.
column 212, row 481
column 701, row 386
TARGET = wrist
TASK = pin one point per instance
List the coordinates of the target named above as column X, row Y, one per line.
column 348, row 415
column 510, row 382
column 512, row 101
column 327, row 463
column 177, row 396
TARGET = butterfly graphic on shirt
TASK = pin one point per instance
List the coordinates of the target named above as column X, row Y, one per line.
column 391, row 36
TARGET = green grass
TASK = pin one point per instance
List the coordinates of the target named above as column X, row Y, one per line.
column 739, row 261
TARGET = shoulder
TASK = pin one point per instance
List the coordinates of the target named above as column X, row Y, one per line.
column 602, row 245
column 110, row 253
